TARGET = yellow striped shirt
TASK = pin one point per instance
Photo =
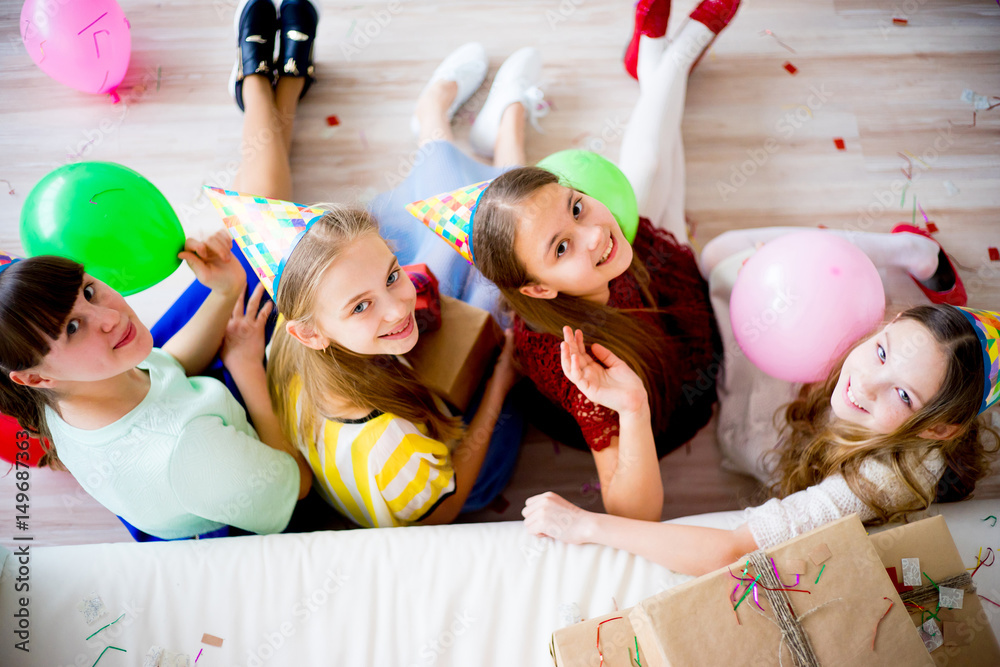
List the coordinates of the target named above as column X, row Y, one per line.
column 379, row 471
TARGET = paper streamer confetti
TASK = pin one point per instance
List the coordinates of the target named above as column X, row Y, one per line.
column 879, row 622
column 839, row 143
column 792, row 69
column 994, row 524
column 820, row 572
column 899, row 21
column 152, row 657
column 106, row 649
column 108, row 625
column 599, row 651
column 92, row 607
column 768, row 32
column 994, row 254
column 211, row 640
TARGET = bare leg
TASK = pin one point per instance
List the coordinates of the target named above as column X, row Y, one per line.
column 264, row 168
column 286, row 99
column 509, row 149
column 914, row 254
column 432, row 112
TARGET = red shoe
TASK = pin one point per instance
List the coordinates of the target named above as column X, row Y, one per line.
column 955, row 296
column 650, row 20
column 715, row 14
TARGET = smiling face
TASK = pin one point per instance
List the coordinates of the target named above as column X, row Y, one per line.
column 889, row 377
column 366, row 302
column 102, row 338
column 570, row 243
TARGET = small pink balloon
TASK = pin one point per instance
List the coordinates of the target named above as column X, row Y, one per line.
column 801, row 301
column 84, row 44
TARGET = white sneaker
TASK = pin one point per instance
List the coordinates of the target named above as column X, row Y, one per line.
column 516, row 81
column 467, row 67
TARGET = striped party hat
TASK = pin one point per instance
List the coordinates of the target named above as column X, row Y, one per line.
column 6, row 259
column 266, row 230
column 450, row 214
column 987, row 326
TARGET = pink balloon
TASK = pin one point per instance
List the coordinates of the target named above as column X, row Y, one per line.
column 84, row 44
column 801, row 301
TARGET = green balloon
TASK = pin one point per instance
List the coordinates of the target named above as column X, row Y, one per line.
column 601, row 179
column 107, row 217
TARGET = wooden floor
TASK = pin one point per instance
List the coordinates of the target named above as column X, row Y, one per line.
column 884, row 89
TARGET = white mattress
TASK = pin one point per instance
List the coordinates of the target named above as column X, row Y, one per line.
column 477, row 594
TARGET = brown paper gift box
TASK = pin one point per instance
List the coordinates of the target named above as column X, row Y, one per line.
column 694, row 623
column 453, row 360
column 968, row 637
column 576, row 645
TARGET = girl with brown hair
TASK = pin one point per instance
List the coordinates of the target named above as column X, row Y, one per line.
column 559, row 258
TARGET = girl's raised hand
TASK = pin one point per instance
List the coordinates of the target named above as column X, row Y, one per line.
column 213, row 263
column 244, row 339
column 604, row 378
column 552, row 515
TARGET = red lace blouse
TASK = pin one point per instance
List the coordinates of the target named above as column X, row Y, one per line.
column 685, row 317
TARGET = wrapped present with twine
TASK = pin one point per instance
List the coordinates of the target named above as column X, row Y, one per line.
column 822, row 598
column 945, row 606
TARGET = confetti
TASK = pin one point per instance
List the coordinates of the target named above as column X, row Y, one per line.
column 980, row 561
column 931, row 228
column 820, row 572
column 820, row 554
column 879, row 622
column 92, row 607
column 992, row 525
column 994, row 255
column 902, row 199
column 499, row 504
column 171, row 659
column 198, row 656
column 839, row 143
column 768, row 32
column 791, row 68
column 152, row 657
column 921, row 208
column 911, row 572
column 332, row 121
column 211, row 640
column 951, row 598
column 4, row 180
column 987, row 599
column 114, row 648
column 108, row 625
column 752, row 587
column 599, row 651
column 950, row 188
column 899, row 21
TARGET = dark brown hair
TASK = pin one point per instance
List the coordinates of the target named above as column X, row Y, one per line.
column 817, row 445
column 379, row 382
column 36, row 298
column 642, row 347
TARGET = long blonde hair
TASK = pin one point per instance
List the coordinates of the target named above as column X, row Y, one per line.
column 377, row 382
column 816, row 445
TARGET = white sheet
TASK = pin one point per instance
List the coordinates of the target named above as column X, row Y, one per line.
column 477, row 594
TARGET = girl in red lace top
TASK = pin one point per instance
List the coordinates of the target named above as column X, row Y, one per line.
column 560, row 259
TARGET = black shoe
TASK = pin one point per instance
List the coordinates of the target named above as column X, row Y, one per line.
column 256, row 23
column 299, row 19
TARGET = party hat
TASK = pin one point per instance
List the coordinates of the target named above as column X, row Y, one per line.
column 7, row 259
column 987, row 326
column 266, row 230
column 450, row 216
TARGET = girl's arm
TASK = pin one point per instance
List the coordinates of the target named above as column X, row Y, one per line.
column 214, row 265
column 467, row 457
column 243, row 354
column 689, row 550
column 628, row 468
